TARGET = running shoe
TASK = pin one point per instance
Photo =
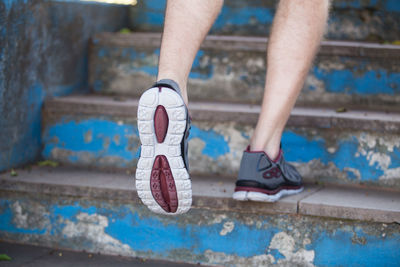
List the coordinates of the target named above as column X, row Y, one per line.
column 162, row 175
column 263, row 179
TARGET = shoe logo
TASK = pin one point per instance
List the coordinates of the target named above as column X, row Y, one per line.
column 274, row 172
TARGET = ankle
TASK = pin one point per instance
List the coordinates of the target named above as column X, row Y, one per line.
column 271, row 148
column 272, row 151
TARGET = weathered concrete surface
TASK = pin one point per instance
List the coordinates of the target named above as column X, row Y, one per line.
column 232, row 69
column 211, row 192
column 363, row 20
column 43, row 53
column 352, row 203
column 207, row 236
column 321, row 150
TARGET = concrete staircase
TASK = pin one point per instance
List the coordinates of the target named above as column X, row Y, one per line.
column 366, row 20
column 343, row 136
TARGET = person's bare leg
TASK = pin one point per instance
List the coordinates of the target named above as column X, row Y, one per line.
column 186, row 24
column 295, row 37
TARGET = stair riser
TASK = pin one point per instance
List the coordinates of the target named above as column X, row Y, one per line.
column 321, row 154
column 207, row 236
column 239, row 76
column 349, row 20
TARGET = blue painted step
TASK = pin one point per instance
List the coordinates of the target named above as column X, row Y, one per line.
column 100, row 213
column 357, row 20
column 350, row 148
column 232, row 69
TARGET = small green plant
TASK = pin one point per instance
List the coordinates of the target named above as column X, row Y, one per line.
column 341, row 109
column 47, row 163
column 4, row 257
column 125, row 30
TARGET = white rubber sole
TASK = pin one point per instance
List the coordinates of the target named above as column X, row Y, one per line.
column 257, row 196
column 170, row 147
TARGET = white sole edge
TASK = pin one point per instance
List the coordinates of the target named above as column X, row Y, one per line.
column 261, row 197
column 170, row 148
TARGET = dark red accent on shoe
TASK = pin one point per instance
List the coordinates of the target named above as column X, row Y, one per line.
column 265, row 191
column 160, row 123
column 274, row 172
column 163, row 185
column 159, row 89
column 248, row 150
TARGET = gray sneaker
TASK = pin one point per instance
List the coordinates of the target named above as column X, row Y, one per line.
column 263, row 179
column 162, row 175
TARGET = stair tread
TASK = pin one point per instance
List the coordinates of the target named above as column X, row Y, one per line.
column 344, row 74
column 341, row 201
column 370, row 204
column 246, row 43
column 216, row 111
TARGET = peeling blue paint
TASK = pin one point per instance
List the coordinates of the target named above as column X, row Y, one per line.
column 69, row 212
column 369, row 83
column 201, row 72
column 362, row 79
column 243, row 16
column 215, row 143
column 136, row 232
column 140, row 61
column 347, row 149
column 277, row 255
column 240, row 12
column 344, row 244
column 156, row 5
column 302, row 150
column 70, row 136
column 254, row 18
column 49, row 60
column 377, row 251
column 151, row 14
column 8, row 223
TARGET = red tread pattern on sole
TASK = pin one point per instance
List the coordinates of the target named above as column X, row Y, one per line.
column 265, row 191
column 163, row 186
column 160, row 123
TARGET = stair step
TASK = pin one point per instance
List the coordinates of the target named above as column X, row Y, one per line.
column 222, row 112
column 232, row 69
column 212, row 192
column 353, row 147
column 349, row 20
column 99, row 212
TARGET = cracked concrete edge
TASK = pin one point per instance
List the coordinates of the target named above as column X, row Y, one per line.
column 373, row 215
column 306, row 194
column 221, row 112
column 218, row 199
column 243, row 43
column 382, row 208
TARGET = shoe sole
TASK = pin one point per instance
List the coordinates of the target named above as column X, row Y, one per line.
column 257, row 196
column 162, row 181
